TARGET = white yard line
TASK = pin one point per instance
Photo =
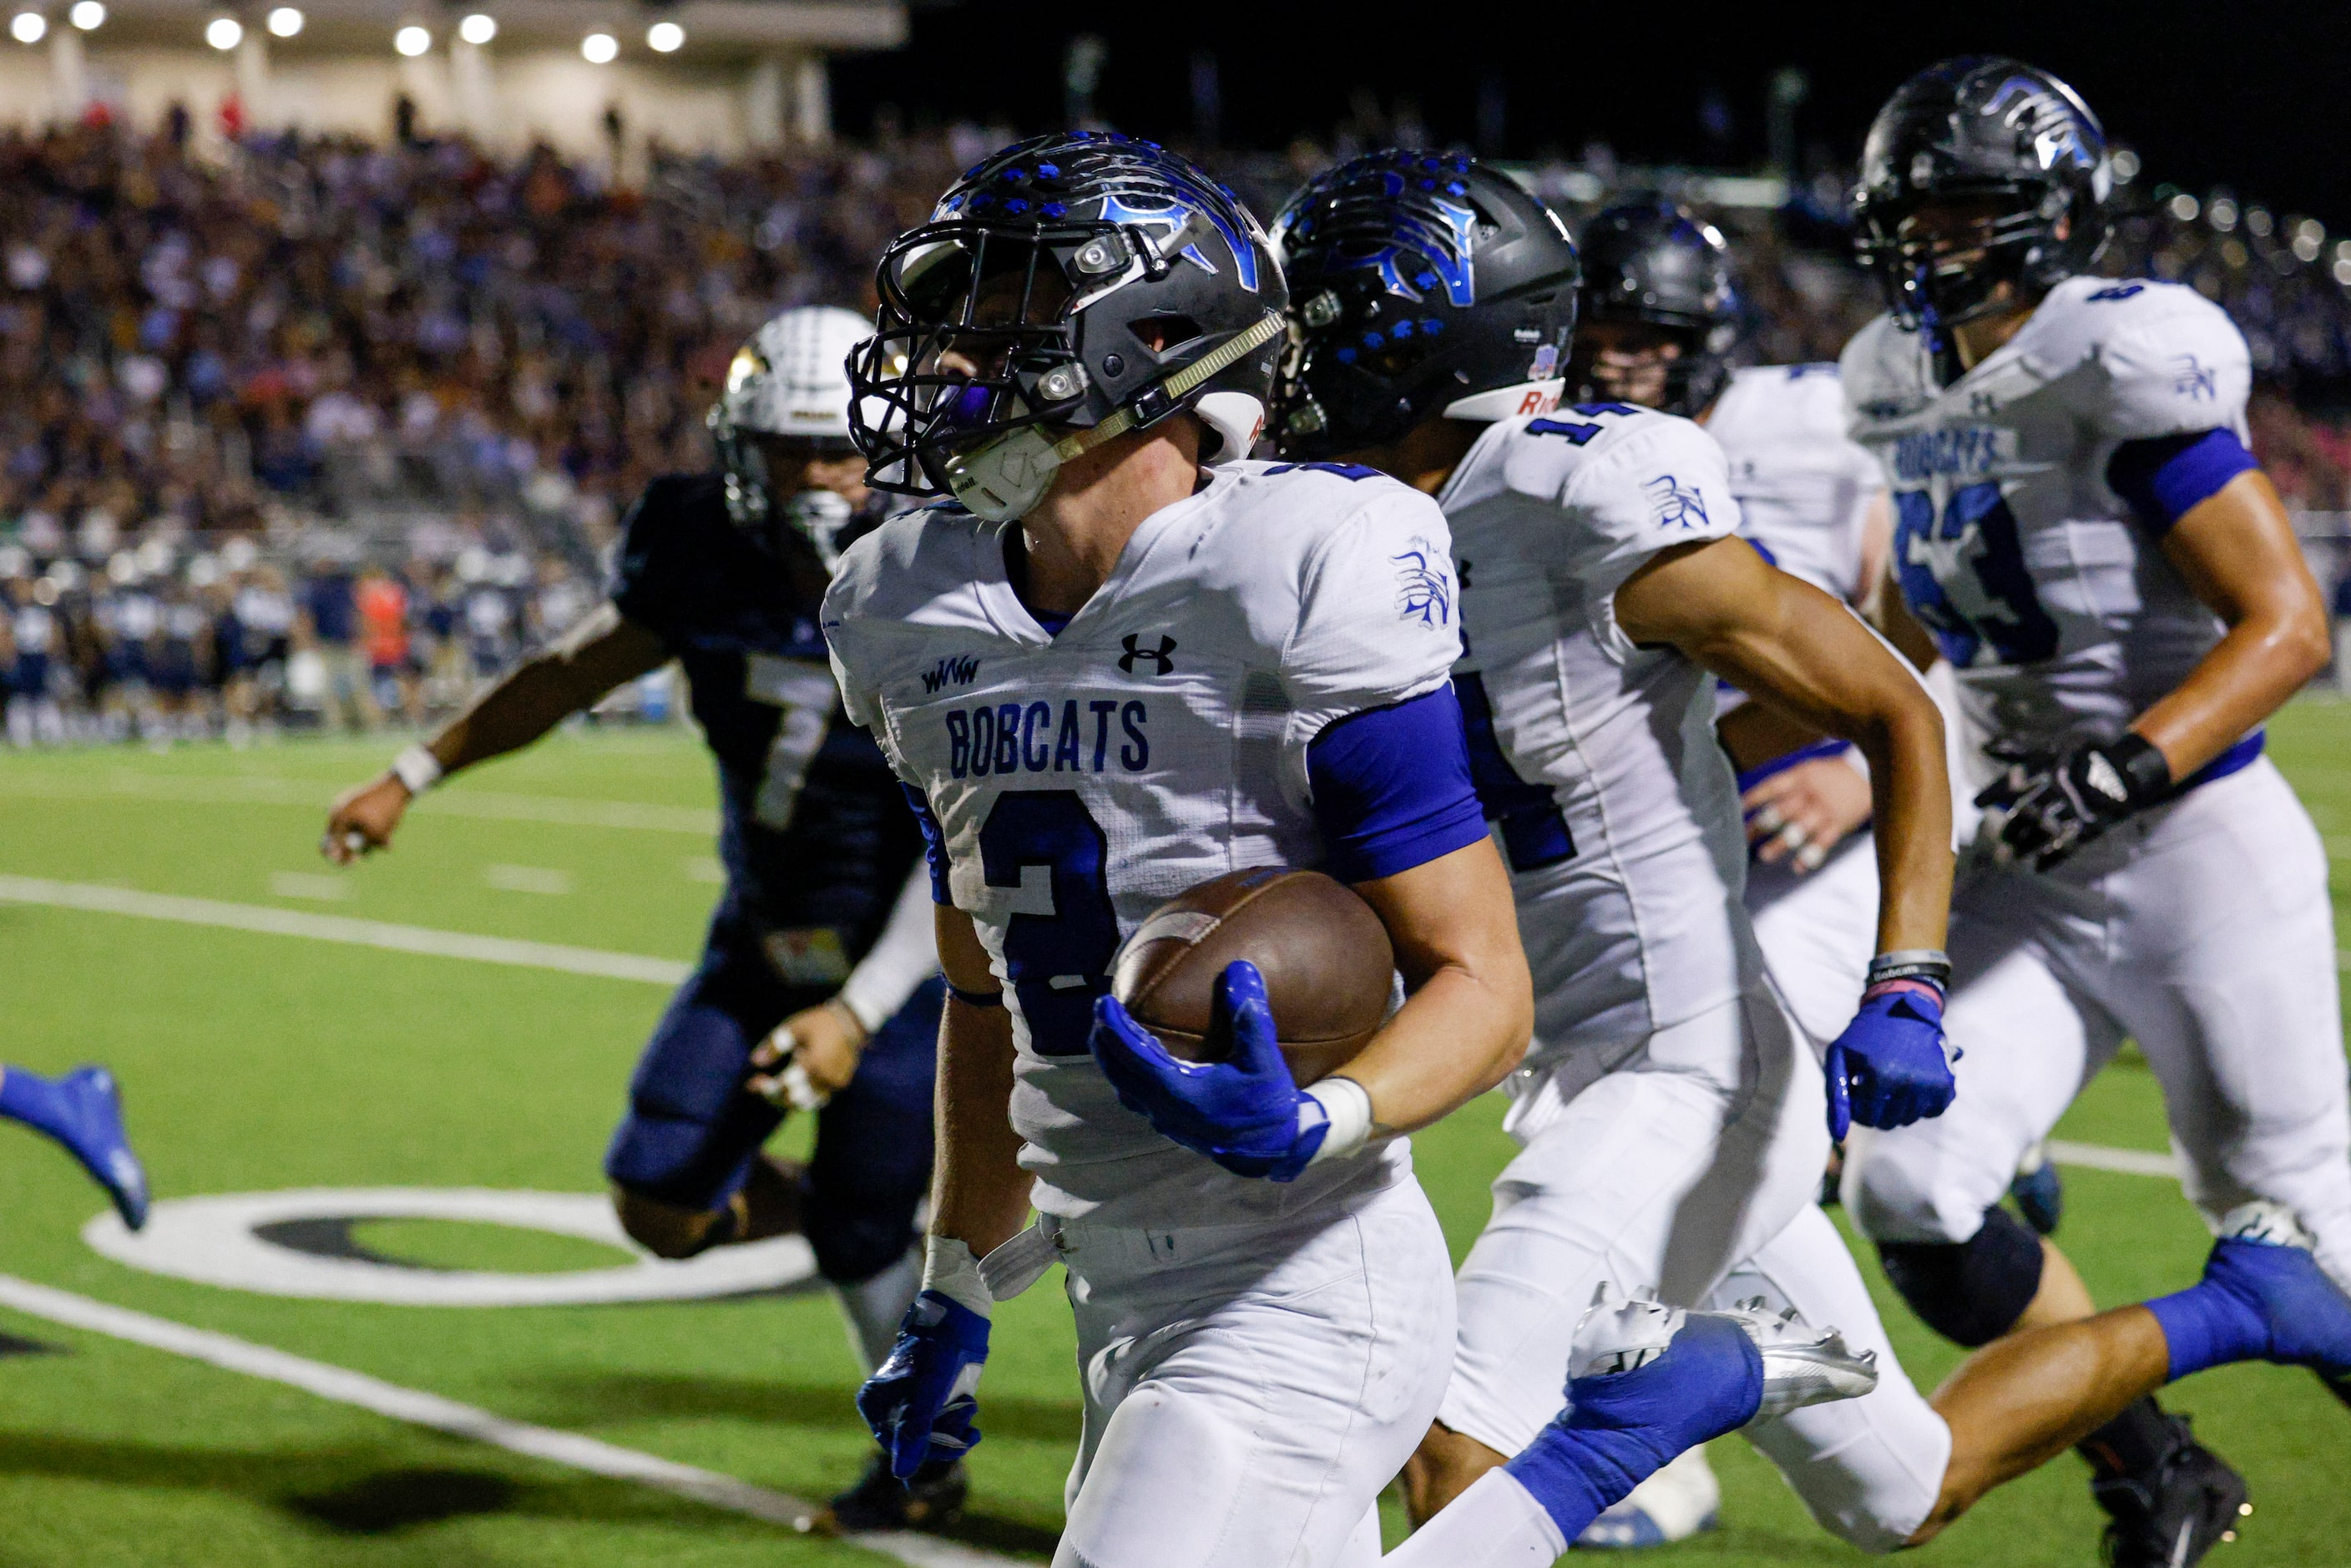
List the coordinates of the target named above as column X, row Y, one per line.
column 462, row 801
column 272, row 921
column 418, row 1408
column 2130, row 1162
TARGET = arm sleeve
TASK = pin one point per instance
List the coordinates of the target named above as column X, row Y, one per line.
column 638, row 585
column 2163, row 477
column 1376, row 729
column 905, row 956
column 1392, row 787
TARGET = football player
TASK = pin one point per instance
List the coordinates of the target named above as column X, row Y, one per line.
column 813, row 988
column 2081, row 531
column 1656, row 312
column 1662, row 1137
column 83, row 1113
column 1121, row 661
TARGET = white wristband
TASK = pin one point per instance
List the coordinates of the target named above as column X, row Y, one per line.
column 949, row 1269
column 417, row 767
column 1347, row 1106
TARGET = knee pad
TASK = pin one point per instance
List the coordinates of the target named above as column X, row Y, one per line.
column 1971, row 1291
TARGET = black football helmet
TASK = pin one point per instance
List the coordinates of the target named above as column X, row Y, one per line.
column 1066, row 289
column 1980, row 128
column 1421, row 283
column 1646, row 260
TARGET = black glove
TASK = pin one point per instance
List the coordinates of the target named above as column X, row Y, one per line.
column 2045, row 806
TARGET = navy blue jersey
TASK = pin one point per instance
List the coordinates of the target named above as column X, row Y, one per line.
column 816, row 836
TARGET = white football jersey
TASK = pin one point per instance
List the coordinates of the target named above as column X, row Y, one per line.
column 2053, row 604
column 1079, row 781
column 1803, row 486
column 1595, row 758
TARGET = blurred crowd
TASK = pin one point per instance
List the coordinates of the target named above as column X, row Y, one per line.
column 322, row 431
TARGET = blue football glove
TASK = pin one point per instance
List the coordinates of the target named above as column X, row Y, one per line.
column 1888, row 1068
column 919, row 1403
column 1245, row 1112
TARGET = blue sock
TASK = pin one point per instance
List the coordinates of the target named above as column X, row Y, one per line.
column 1622, row 1427
column 2209, row 1324
column 29, row 1098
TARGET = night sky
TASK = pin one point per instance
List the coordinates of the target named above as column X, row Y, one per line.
column 2255, row 96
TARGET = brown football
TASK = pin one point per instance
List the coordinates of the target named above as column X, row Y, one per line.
column 1326, row 956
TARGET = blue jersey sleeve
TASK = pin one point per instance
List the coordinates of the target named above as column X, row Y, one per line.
column 1392, row 787
column 2164, row 477
column 935, row 842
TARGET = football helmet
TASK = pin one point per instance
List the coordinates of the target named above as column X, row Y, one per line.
column 1068, row 289
column 1980, row 129
column 1648, row 261
column 1421, row 283
column 791, row 380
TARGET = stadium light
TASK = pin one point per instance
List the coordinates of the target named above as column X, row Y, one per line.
column 87, row 15
column 224, row 33
column 412, row 40
column 284, row 22
column 27, row 27
column 664, row 37
column 478, row 28
column 599, row 49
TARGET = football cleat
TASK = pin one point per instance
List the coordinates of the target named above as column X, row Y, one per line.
column 932, row 1499
column 1679, row 1501
column 95, row 1138
column 1801, row 1365
column 2169, row 1518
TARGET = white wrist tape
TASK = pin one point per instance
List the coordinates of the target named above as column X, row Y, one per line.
column 949, row 1269
column 1347, row 1105
column 417, row 767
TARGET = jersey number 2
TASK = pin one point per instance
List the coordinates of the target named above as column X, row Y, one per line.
column 1977, row 534
column 1044, row 848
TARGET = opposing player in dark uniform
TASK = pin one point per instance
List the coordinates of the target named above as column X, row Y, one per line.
column 817, row 986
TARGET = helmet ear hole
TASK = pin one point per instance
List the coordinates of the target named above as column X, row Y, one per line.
column 1163, row 333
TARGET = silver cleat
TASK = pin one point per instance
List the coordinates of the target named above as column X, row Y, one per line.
column 1801, row 1365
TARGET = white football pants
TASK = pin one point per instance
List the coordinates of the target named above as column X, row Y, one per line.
column 2202, row 931
column 1661, row 1175
column 1250, row 1390
column 1818, row 931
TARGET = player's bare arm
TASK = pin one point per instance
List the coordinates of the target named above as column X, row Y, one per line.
column 1469, row 1003
column 605, row 651
column 1798, row 649
column 2238, row 552
column 979, row 1194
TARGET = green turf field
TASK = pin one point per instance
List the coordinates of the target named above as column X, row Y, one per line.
column 258, row 1062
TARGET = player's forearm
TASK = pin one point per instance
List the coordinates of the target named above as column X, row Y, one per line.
column 1470, row 1007
column 905, row 956
column 979, row 1194
column 1910, row 797
column 573, row 673
column 1755, row 733
column 1458, row 1035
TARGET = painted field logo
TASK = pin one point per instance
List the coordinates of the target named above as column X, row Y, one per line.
column 959, row 671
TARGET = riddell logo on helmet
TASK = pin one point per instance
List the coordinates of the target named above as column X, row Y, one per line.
column 1539, row 400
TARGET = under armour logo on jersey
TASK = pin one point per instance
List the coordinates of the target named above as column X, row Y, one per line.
column 958, row 670
column 1425, row 592
column 1677, row 505
column 2193, row 380
column 1984, row 405
column 1162, row 658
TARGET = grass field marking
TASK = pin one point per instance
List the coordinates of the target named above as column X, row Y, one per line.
column 560, row 810
column 542, row 880
column 2129, row 1161
column 418, row 1408
column 96, row 898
